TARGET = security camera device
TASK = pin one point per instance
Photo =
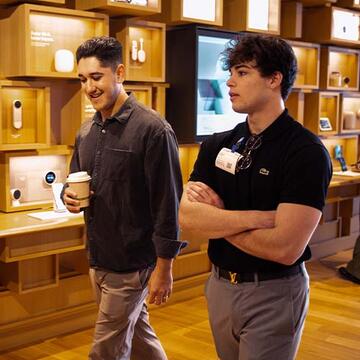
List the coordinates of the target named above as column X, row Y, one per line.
column 17, row 114
column 15, row 196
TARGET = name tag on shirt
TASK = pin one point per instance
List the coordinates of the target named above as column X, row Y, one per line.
column 226, row 160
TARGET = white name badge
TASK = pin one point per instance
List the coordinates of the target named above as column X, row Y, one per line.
column 226, row 160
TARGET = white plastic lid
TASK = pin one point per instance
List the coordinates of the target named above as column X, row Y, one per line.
column 78, row 177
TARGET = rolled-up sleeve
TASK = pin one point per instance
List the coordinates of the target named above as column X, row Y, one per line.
column 163, row 177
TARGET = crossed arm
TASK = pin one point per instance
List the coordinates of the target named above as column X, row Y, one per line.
column 279, row 236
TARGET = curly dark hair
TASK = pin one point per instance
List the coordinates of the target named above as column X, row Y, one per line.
column 106, row 49
column 271, row 54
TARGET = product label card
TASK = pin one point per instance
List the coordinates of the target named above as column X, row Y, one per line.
column 226, row 160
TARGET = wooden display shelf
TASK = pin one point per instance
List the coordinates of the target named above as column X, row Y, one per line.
column 40, row 243
column 331, row 25
column 308, row 59
column 253, row 15
column 191, row 264
column 291, row 19
column 326, row 231
column 48, row 2
column 339, row 69
column 77, row 108
column 350, row 113
column 330, row 212
column 114, row 8
column 153, row 35
column 353, row 4
column 30, row 50
column 25, row 171
column 26, row 127
column 295, row 104
column 349, row 145
column 321, row 105
column 350, row 207
column 188, row 155
column 208, row 12
column 31, row 275
column 317, row 2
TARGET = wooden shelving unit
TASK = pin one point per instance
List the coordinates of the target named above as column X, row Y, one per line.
column 153, row 37
column 349, row 144
column 339, row 69
column 30, row 50
column 257, row 15
column 350, row 113
column 46, row 2
column 331, row 25
column 291, row 19
column 353, row 4
column 321, row 105
column 295, row 104
column 188, row 155
column 25, row 171
column 208, row 12
column 115, row 8
column 308, row 59
column 26, row 126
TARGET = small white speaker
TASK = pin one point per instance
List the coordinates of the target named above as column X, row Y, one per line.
column 64, row 60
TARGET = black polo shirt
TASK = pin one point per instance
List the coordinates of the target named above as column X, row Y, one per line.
column 290, row 166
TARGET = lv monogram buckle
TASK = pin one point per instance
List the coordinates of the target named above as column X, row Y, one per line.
column 233, row 278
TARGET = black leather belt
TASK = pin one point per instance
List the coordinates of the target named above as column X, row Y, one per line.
column 236, row 278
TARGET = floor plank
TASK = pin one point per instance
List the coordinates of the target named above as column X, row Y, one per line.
column 332, row 328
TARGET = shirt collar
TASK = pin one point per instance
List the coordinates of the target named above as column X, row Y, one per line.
column 275, row 129
column 123, row 114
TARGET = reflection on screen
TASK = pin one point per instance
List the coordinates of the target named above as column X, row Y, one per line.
column 214, row 110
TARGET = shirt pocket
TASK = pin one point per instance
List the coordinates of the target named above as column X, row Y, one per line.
column 116, row 163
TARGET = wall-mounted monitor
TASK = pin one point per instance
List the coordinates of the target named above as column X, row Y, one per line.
column 198, row 102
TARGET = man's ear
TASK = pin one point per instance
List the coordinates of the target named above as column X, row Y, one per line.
column 275, row 79
column 120, row 73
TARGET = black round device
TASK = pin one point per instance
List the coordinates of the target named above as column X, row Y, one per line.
column 50, row 177
column 17, row 104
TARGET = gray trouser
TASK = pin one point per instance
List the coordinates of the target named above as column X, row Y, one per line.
column 257, row 320
column 122, row 328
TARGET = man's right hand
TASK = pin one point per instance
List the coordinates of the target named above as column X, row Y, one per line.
column 71, row 202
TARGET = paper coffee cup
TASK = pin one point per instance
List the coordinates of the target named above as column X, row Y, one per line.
column 79, row 183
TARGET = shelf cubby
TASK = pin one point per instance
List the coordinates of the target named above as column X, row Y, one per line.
column 349, row 145
column 208, row 12
column 308, row 59
column 322, row 105
column 45, row 43
column 295, row 104
column 31, row 275
column 24, row 115
column 331, row 25
column 253, row 15
column 350, row 113
column 153, row 39
column 291, row 19
column 339, row 68
column 352, row 4
column 25, row 172
column 117, row 8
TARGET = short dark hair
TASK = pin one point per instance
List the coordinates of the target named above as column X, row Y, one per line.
column 106, row 49
column 271, row 54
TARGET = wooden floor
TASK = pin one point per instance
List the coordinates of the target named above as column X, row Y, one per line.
column 332, row 328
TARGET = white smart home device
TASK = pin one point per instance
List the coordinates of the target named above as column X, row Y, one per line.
column 64, row 60
column 17, row 114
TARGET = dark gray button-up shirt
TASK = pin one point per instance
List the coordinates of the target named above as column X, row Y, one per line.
column 133, row 160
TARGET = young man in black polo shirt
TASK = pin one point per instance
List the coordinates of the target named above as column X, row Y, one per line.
column 257, row 191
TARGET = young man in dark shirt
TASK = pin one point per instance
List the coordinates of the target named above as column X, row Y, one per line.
column 131, row 154
column 257, row 192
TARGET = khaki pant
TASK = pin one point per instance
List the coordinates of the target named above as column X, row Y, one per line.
column 257, row 320
column 122, row 328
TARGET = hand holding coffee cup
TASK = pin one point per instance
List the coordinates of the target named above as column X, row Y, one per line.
column 77, row 194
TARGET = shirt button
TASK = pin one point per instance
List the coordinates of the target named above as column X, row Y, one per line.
column 98, row 152
column 103, row 131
